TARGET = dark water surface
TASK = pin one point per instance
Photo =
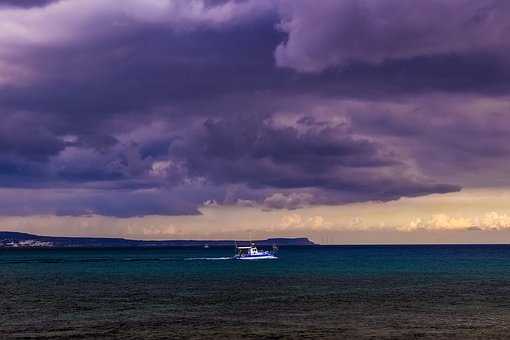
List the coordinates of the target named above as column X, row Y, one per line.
column 391, row 292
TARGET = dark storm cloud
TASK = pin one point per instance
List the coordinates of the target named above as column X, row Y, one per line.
column 149, row 65
column 193, row 104
column 26, row 3
column 26, row 136
column 252, row 151
column 332, row 33
column 119, row 203
column 479, row 73
column 145, row 67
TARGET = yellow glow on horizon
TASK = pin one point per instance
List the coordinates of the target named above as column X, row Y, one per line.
column 473, row 215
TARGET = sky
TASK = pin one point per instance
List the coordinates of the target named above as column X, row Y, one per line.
column 347, row 121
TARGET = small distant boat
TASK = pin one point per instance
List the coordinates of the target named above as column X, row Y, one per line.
column 252, row 253
column 206, row 246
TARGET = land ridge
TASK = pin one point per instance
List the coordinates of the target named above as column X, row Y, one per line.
column 10, row 239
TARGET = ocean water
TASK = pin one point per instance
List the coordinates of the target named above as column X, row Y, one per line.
column 367, row 292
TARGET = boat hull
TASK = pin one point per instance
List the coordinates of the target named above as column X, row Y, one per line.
column 260, row 257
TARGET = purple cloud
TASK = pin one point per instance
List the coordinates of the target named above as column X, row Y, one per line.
column 26, row 3
column 336, row 33
column 157, row 108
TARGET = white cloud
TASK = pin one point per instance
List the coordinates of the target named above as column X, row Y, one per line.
column 245, row 203
column 292, row 220
column 439, row 221
column 297, row 221
column 489, row 221
column 159, row 231
column 210, row 204
column 494, row 220
column 293, row 200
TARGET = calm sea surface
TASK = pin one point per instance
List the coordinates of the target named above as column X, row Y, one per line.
column 330, row 291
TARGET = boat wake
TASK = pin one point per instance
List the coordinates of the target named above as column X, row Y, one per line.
column 208, row 258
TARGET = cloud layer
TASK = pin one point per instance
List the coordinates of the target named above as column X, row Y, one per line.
column 155, row 107
column 336, row 33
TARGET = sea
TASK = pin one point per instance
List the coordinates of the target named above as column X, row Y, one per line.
column 312, row 292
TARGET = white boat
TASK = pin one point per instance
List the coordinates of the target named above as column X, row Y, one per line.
column 252, row 253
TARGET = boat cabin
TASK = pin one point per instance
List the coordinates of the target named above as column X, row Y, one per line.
column 247, row 251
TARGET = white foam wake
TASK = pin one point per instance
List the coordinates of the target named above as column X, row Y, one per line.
column 208, row 258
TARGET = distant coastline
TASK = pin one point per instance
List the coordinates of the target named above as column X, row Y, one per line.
column 10, row 239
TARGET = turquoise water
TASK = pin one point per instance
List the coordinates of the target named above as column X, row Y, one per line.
column 328, row 291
